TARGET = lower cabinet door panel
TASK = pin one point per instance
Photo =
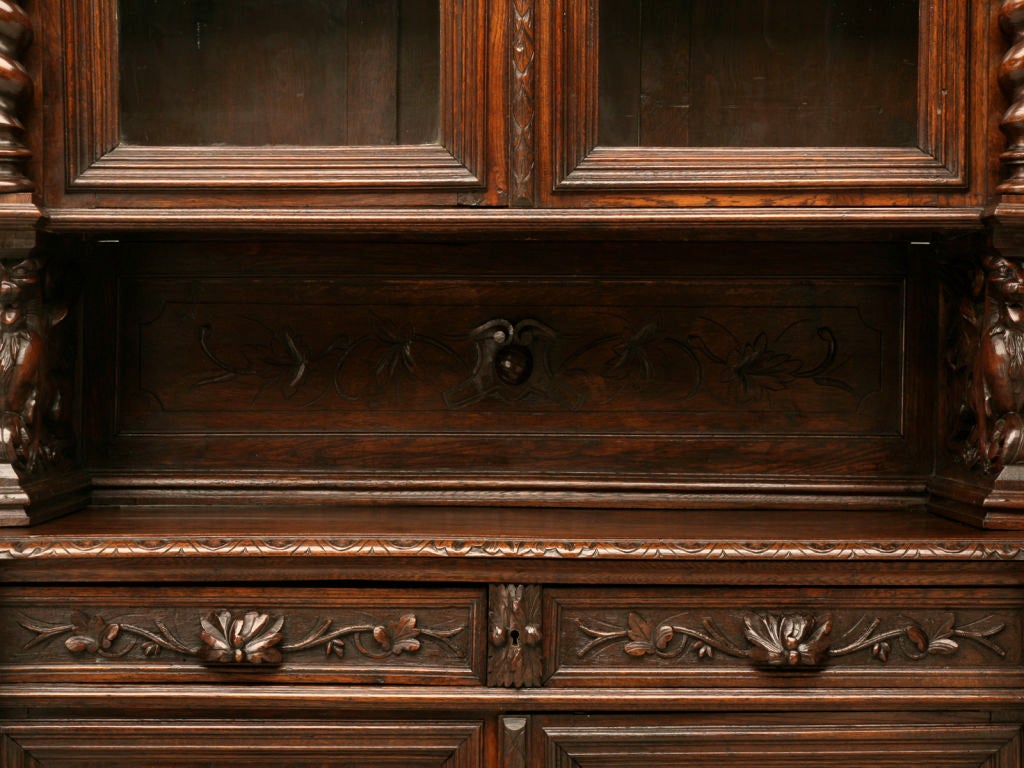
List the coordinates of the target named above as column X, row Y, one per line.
column 808, row 740
column 193, row 744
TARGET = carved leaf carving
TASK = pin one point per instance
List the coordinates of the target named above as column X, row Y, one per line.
column 250, row 637
column 786, row 640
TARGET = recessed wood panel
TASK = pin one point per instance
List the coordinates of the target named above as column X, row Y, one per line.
column 798, row 741
column 367, row 73
column 349, row 361
column 259, row 744
column 758, row 73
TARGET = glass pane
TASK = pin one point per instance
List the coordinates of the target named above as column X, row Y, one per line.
column 282, row 72
column 758, row 73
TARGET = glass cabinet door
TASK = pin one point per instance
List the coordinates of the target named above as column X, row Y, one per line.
column 757, row 73
column 279, row 72
column 656, row 99
column 323, row 102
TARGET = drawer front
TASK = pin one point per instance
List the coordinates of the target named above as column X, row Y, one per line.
column 322, row 635
column 798, row 741
column 836, row 637
column 187, row 744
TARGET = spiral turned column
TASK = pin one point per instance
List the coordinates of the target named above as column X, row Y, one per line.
column 1011, row 80
column 15, row 90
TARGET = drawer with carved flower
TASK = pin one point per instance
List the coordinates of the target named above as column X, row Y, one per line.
column 838, row 637
column 372, row 635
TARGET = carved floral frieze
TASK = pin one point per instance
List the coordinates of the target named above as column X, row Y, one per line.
column 248, row 637
column 788, row 639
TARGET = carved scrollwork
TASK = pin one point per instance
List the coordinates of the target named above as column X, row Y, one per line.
column 248, row 637
column 788, row 640
column 986, row 356
column 529, row 361
column 1011, row 79
column 514, row 658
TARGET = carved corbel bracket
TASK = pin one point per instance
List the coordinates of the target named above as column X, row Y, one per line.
column 38, row 476
column 515, row 654
column 984, row 357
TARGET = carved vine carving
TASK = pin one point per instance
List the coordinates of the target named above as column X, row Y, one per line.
column 987, row 359
column 522, row 110
column 1011, row 79
column 514, row 657
column 15, row 87
column 529, row 360
column 239, row 638
column 33, row 407
column 789, row 640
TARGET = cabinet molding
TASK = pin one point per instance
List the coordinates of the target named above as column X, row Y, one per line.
column 582, row 171
column 98, row 161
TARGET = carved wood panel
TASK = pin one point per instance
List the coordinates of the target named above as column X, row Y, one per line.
column 261, row 744
column 857, row 637
column 803, row 740
column 682, row 370
column 327, row 635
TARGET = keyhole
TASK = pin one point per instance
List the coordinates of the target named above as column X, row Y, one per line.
column 514, row 636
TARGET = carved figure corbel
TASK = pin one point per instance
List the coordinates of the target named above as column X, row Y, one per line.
column 38, row 476
column 987, row 356
column 31, row 401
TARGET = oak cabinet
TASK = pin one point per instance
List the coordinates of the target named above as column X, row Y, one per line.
column 511, row 383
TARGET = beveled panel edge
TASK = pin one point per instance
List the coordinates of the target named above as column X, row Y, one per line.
column 127, row 167
column 784, row 222
column 626, row 168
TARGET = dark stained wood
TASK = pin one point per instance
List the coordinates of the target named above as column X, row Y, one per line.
column 795, row 741
column 246, row 86
column 433, row 406
column 616, row 374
